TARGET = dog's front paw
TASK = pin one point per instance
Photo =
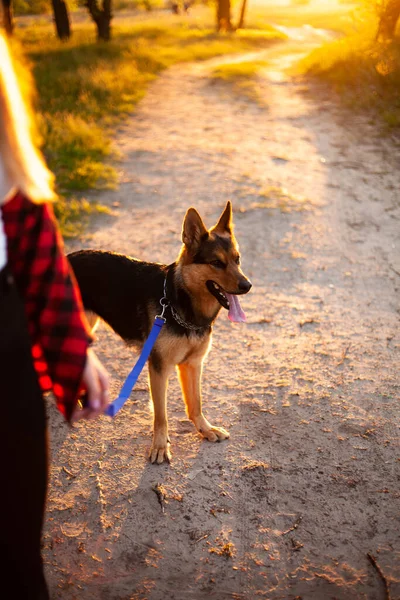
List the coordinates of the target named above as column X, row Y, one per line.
column 159, row 451
column 212, row 434
column 215, row 434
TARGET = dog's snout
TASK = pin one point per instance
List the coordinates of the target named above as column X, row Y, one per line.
column 245, row 286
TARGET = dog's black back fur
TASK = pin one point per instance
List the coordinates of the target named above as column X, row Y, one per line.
column 126, row 292
column 119, row 289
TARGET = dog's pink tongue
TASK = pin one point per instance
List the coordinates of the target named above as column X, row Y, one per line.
column 235, row 314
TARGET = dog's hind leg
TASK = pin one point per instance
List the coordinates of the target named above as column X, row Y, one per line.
column 158, row 386
column 190, row 379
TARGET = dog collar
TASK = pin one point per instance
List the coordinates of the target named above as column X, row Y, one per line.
column 165, row 303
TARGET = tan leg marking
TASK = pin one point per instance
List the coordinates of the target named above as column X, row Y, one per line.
column 159, row 451
column 190, row 379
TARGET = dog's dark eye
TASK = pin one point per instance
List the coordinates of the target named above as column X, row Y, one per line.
column 218, row 264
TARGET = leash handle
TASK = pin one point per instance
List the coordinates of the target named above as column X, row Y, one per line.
column 130, row 381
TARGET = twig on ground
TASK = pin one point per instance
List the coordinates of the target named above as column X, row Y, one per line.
column 294, row 526
column 68, row 472
column 344, row 356
column 394, row 270
column 296, row 545
column 160, row 493
column 380, row 573
column 202, row 538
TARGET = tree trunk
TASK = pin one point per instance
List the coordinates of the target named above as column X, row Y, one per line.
column 224, row 15
column 104, row 27
column 242, row 15
column 8, row 16
column 61, row 19
column 102, row 17
column 388, row 20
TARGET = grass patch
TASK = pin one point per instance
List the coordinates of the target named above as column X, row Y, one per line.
column 243, row 78
column 73, row 214
column 281, row 199
column 85, row 88
column 365, row 74
column 237, row 70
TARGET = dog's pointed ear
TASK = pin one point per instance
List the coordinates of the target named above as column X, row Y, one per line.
column 194, row 230
column 224, row 224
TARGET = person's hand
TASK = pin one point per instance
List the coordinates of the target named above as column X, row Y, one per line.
column 95, row 380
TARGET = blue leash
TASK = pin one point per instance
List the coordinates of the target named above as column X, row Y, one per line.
column 132, row 378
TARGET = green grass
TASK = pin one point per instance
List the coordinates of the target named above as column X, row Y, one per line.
column 364, row 74
column 85, row 88
column 73, row 214
column 242, row 77
column 233, row 71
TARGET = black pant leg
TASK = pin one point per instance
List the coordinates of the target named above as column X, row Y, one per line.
column 23, row 455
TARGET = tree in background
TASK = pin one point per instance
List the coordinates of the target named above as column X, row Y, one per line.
column 99, row 10
column 224, row 18
column 389, row 14
column 61, row 19
column 8, row 17
column 240, row 25
column 37, row 7
column 224, row 22
column 102, row 17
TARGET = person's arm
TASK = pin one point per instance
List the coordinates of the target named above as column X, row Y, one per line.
column 56, row 319
column 95, row 382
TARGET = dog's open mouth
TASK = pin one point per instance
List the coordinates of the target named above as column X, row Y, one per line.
column 220, row 294
column 228, row 301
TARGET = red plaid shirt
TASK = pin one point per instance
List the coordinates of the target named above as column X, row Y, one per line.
column 53, row 305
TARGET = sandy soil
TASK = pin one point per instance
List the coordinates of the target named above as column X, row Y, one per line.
column 307, row 485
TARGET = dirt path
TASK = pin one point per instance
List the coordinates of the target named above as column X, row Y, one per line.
column 307, row 485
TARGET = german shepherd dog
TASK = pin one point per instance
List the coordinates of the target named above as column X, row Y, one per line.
column 126, row 294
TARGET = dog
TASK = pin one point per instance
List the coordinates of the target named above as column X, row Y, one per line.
column 126, row 293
